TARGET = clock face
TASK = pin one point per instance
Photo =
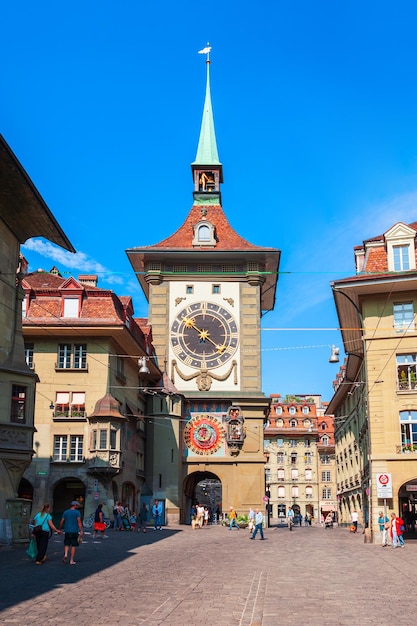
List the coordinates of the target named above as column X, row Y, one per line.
column 204, row 334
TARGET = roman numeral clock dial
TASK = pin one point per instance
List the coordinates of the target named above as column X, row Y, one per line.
column 204, row 332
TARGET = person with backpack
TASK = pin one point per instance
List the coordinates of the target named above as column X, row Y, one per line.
column 43, row 525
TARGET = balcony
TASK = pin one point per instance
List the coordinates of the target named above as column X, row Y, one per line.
column 69, row 413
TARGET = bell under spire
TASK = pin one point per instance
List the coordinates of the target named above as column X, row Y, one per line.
column 207, row 169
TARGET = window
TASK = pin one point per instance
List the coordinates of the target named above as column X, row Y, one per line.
column 294, row 491
column 309, row 474
column 293, row 458
column 308, row 457
column 293, row 443
column 61, row 448
column 113, row 439
column 72, row 356
column 268, row 475
column 401, row 257
column 280, row 423
column 71, row 307
column 29, row 347
column 120, row 369
column 280, row 443
column 404, row 316
column 324, row 459
column 278, row 410
column 293, row 423
column 70, row 404
column 294, row 474
column 280, row 457
column 281, row 473
column 326, row 477
column 76, row 448
column 408, row 421
column 24, row 307
column 292, row 410
column 18, row 406
column 281, row 491
column 309, row 491
column 215, row 289
column 326, row 493
column 406, row 371
column 189, row 289
column 325, row 440
column 323, row 426
column 94, row 440
column 102, row 439
column 306, row 410
column 307, row 443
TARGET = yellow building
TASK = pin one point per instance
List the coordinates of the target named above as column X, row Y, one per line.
column 375, row 399
column 84, row 344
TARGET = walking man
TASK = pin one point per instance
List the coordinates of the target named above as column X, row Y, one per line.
column 71, row 522
column 157, row 514
column 258, row 525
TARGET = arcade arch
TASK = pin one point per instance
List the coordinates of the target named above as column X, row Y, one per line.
column 204, row 487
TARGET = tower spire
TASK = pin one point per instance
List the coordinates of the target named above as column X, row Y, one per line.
column 207, row 146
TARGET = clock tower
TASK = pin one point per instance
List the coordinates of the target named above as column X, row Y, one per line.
column 207, row 289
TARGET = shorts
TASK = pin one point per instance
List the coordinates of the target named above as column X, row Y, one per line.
column 71, row 539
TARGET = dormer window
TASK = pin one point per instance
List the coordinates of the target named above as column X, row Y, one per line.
column 71, row 307
column 204, row 234
column 400, row 241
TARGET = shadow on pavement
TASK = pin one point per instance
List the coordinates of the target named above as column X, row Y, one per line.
column 22, row 579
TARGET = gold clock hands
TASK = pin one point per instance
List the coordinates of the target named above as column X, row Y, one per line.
column 203, row 334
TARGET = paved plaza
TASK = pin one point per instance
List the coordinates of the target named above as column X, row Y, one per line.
column 310, row 576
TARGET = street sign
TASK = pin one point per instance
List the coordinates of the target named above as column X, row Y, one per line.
column 265, row 499
column 384, row 485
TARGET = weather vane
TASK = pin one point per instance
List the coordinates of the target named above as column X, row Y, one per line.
column 206, row 50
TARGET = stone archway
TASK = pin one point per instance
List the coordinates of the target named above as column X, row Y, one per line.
column 25, row 490
column 65, row 491
column 407, row 505
column 204, row 487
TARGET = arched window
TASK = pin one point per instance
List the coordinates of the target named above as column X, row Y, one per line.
column 204, row 233
column 306, row 410
column 309, row 491
column 278, row 410
column 293, row 423
column 325, row 440
column 292, row 410
column 294, row 491
column 281, row 491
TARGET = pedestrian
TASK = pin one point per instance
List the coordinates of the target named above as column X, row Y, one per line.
column 200, row 515
column 355, row 517
column 218, row 514
column 117, row 523
column 233, row 519
column 99, row 523
column 73, row 529
column 251, row 520
column 44, row 525
column 290, row 518
column 133, row 521
column 383, row 521
column 258, row 525
column 143, row 518
column 157, row 514
column 206, row 516
column 396, row 527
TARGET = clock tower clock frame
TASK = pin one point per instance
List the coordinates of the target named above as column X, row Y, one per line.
column 207, row 288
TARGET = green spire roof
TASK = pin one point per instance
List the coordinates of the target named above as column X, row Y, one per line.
column 207, row 147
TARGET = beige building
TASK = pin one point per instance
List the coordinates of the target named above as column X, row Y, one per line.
column 95, row 366
column 299, row 454
column 375, row 401
column 23, row 214
column 207, row 288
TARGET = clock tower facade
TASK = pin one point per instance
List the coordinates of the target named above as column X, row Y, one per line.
column 207, row 288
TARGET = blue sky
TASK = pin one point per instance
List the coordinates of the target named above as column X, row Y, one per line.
column 316, row 123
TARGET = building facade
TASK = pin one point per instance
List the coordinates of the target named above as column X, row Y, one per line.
column 375, row 399
column 23, row 214
column 84, row 345
column 207, row 288
column 299, row 455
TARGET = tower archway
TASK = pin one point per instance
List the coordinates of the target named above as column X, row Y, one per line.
column 65, row 491
column 204, row 488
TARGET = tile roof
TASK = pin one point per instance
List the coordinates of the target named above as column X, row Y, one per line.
column 227, row 238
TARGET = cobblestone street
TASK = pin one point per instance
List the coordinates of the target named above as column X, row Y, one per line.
column 310, row 576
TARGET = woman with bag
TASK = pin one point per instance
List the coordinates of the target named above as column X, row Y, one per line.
column 43, row 525
column 99, row 523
